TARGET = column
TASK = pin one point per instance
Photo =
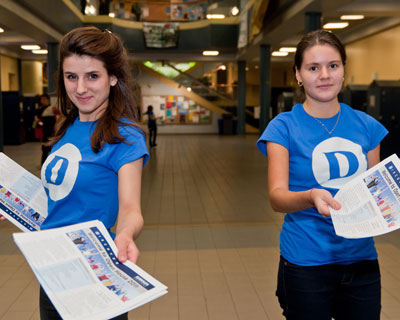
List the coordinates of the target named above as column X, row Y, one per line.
column 265, row 85
column 313, row 21
column 52, row 65
column 241, row 108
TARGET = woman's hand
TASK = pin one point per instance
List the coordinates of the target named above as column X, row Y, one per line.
column 127, row 249
column 322, row 200
column 130, row 219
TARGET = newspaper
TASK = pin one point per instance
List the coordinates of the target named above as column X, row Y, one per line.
column 78, row 268
column 23, row 200
column 370, row 202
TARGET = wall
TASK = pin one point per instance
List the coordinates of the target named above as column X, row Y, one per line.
column 32, row 78
column 375, row 57
column 152, row 86
column 9, row 73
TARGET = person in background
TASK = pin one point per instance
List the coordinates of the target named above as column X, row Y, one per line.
column 44, row 102
column 48, row 119
column 152, row 125
column 98, row 150
column 312, row 151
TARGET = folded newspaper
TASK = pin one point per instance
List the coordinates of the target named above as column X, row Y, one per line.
column 77, row 265
column 23, row 200
column 370, row 202
column 78, row 268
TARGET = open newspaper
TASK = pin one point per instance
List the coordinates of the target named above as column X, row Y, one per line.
column 78, row 268
column 23, row 200
column 370, row 202
column 77, row 265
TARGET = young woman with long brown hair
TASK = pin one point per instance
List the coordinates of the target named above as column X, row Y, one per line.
column 95, row 166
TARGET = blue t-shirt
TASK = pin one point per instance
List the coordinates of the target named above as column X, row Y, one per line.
column 82, row 185
column 317, row 160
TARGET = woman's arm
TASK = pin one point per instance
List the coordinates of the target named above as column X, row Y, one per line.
column 130, row 219
column 283, row 200
column 374, row 156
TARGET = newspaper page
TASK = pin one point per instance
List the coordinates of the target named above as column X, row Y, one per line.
column 78, row 268
column 370, row 202
column 23, row 200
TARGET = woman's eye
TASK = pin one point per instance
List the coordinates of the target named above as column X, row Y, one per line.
column 93, row 76
column 313, row 68
column 70, row 77
column 333, row 65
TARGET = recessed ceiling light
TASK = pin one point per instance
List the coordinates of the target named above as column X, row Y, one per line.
column 288, row 49
column 1, row 30
column 43, row 51
column 352, row 17
column 235, row 11
column 189, row 89
column 30, row 47
column 210, row 53
column 111, row 14
column 335, row 25
column 215, row 16
column 279, row 54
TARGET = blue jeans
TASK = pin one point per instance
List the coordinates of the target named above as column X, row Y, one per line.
column 48, row 312
column 342, row 292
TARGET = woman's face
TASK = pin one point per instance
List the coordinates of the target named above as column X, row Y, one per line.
column 321, row 73
column 88, row 85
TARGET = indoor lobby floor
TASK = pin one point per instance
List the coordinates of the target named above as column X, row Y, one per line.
column 210, row 235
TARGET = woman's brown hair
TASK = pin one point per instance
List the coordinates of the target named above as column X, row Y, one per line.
column 122, row 107
column 317, row 37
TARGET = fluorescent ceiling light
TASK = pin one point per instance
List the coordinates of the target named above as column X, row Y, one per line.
column 215, row 16
column 287, row 49
column 210, row 53
column 279, row 54
column 44, row 51
column 1, row 30
column 111, row 14
column 235, row 11
column 352, row 17
column 30, row 47
column 335, row 25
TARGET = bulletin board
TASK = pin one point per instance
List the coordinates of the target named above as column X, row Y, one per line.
column 176, row 109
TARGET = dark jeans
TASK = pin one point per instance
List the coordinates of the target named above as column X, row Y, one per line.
column 152, row 135
column 48, row 312
column 342, row 292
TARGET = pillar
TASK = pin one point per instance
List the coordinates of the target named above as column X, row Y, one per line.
column 313, row 21
column 241, row 108
column 52, row 65
column 265, row 85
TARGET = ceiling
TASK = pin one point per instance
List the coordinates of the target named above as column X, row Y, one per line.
column 43, row 21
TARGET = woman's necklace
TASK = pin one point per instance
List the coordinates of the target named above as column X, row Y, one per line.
column 334, row 127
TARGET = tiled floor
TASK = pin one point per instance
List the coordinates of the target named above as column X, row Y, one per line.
column 210, row 235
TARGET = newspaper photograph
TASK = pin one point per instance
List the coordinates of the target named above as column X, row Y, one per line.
column 77, row 266
column 23, row 200
column 370, row 202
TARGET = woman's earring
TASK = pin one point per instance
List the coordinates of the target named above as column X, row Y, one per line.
column 299, row 83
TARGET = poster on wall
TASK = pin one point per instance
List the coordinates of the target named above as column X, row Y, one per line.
column 177, row 110
column 188, row 11
column 160, row 35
